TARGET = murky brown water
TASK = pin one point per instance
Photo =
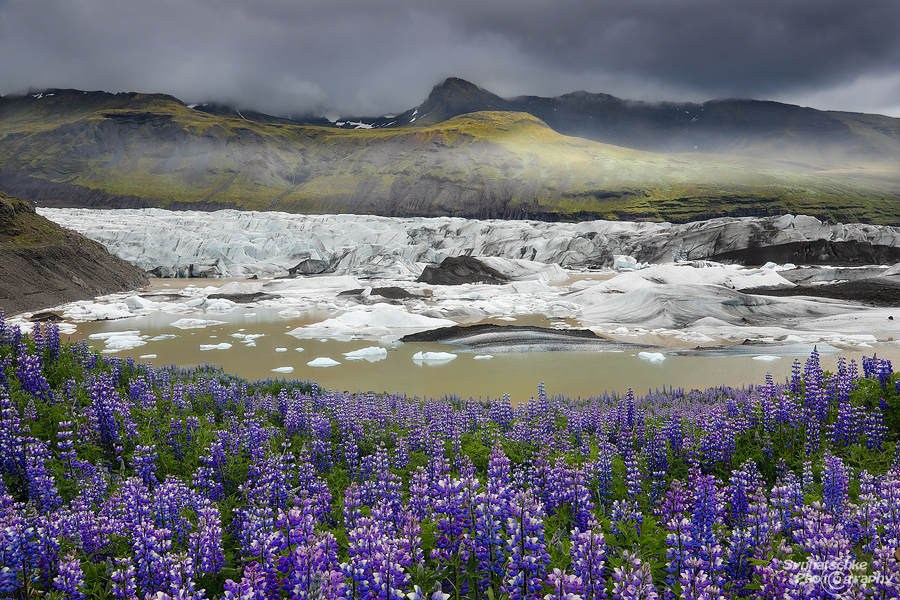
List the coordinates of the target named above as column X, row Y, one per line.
column 518, row 374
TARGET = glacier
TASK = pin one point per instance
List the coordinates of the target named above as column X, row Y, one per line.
column 630, row 281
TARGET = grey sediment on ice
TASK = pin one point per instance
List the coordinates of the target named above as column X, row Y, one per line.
column 499, row 339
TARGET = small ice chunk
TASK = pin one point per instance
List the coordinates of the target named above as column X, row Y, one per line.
column 433, row 356
column 652, row 356
column 624, row 263
column 163, row 336
column 249, row 314
column 222, row 346
column 138, row 303
column 323, row 361
column 766, row 357
column 148, row 356
column 109, row 334
column 195, row 323
column 280, row 349
column 283, row 370
column 299, row 349
column 369, row 352
column 484, row 356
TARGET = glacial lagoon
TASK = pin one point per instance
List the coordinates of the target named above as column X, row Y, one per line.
column 698, row 326
column 254, row 342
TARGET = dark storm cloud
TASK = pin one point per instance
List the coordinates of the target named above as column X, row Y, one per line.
column 359, row 56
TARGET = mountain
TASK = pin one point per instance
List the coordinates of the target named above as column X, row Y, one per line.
column 43, row 264
column 754, row 128
column 76, row 148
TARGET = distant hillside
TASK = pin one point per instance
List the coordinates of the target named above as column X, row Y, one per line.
column 68, row 147
column 43, row 265
column 770, row 130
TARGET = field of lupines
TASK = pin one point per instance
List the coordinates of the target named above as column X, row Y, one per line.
column 123, row 480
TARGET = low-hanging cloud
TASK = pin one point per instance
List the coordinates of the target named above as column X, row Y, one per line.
column 362, row 57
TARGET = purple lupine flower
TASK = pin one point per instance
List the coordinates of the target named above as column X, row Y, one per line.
column 70, row 577
column 488, row 540
column 181, row 575
column 150, row 546
column 588, row 554
column 31, row 377
column 778, row 577
column 251, row 587
column 885, row 572
column 526, row 547
column 696, row 585
column 835, row 483
column 565, row 586
column 452, row 500
column 123, row 580
column 633, row 580
column 206, row 541
column 624, row 516
column 144, row 459
column 679, row 542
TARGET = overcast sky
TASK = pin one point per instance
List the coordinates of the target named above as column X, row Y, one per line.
column 371, row 57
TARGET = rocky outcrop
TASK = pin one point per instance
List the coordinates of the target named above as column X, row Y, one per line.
column 43, row 265
column 457, row 270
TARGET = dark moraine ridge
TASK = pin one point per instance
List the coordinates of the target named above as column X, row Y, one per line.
column 875, row 291
column 44, row 265
column 487, row 337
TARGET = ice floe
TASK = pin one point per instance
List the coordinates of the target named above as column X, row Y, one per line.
column 433, row 356
column 366, row 353
column 221, row 346
column 382, row 321
column 652, row 356
column 195, row 323
column 283, row 370
column 322, row 361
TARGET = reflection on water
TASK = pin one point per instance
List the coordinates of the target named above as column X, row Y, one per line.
column 518, row 374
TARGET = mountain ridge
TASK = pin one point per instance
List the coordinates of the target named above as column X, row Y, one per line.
column 76, row 148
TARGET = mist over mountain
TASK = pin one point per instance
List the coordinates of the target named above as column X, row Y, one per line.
column 464, row 151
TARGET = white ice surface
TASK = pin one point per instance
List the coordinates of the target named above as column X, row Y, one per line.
column 195, row 323
column 222, row 346
column 433, row 356
column 371, row 351
column 323, row 361
column 696, row 302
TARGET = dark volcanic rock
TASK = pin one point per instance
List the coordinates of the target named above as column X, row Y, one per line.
column 46, row 317
column 876, row 291
column 392, row 293
column 310, row 266
column 243, row 298
column 815, row 252
column 457, row 270
column 42, row 264
column 487, row 337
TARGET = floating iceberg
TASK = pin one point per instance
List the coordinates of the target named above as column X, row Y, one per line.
column 283, row 370
column 195, row 323
column 323, row 361
column 652, row 356
column 371, row 351
column 222, row 346
column 433, row 356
